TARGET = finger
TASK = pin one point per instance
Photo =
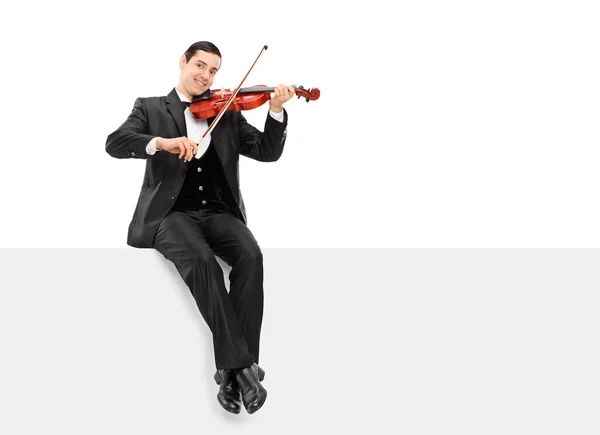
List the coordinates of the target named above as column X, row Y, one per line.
column 192, row 149
column 183, row 145
column 181, row 149
column 285, row 92
column 186, row 152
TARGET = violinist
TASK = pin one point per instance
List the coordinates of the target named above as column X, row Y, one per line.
column 191, row 209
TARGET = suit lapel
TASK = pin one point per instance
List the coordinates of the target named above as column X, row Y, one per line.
column 176, row 110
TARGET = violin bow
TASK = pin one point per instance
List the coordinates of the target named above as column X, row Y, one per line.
column 224, row 108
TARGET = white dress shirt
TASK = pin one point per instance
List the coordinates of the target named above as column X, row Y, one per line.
column 196, row 128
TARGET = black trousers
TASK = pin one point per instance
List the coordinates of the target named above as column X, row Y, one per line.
column 190, row 239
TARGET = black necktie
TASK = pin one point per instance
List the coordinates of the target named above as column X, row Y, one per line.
column 185, row 105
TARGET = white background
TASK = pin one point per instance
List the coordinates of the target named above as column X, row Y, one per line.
column 440, row 124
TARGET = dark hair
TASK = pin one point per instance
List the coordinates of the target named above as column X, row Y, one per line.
column 209, row 47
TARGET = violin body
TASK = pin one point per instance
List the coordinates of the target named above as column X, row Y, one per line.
column 211, row 103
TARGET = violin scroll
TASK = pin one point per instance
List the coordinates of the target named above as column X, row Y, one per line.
column 309, row 94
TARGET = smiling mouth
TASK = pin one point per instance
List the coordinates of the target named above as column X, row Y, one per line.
column 199, row 83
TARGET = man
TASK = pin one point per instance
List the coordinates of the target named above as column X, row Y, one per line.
column 190, row 209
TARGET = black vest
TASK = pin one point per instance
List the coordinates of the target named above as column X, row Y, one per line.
column 205, row 185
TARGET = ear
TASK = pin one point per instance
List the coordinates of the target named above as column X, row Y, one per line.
column 182, row 62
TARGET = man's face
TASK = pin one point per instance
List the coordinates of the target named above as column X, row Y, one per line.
column 198, row 74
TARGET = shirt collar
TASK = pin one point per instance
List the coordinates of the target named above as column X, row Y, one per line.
column 181, row 96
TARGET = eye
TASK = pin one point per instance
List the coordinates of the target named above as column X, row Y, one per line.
column 199, row 65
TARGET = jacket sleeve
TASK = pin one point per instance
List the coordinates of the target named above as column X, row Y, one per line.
column 264, row 147
column 130, row 139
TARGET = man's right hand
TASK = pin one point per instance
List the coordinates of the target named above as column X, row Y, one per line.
column 183, row 146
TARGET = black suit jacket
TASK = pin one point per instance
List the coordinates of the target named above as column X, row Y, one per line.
column 165, row 172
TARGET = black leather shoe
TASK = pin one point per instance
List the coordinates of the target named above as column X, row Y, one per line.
column 229, row 392
column 253, row 393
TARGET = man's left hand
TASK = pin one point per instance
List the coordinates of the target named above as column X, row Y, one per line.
column 283, row 93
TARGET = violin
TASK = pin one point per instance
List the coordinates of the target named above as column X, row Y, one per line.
column 212, row 102
column 216, row 103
